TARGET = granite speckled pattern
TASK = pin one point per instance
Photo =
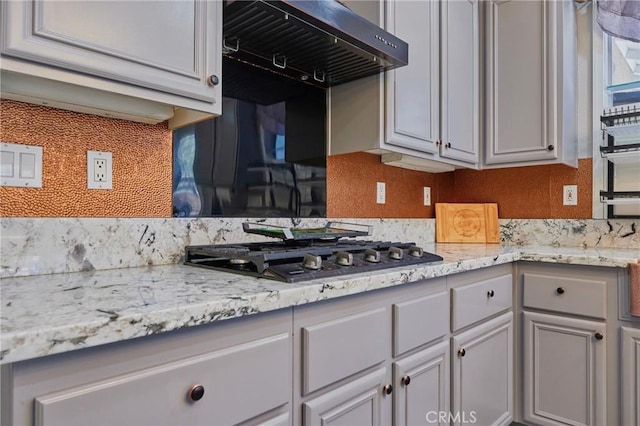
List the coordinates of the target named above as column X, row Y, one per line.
column 615, row 233
column 50, row 314
column 35, row 246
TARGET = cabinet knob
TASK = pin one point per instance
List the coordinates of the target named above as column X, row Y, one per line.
column 196, row 393
column 405, row 380
column 599, row 336
column 447, row 145
column 462, row 352
column 490, row 294
column 560, row 290
column 387, row 389
column 213, row 80
column 550, row 148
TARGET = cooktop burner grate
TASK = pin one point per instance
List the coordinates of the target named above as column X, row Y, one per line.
column 295, row 261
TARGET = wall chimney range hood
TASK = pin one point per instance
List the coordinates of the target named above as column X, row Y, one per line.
column 318, row 42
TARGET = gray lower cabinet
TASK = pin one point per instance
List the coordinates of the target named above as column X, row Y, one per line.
column 482, row 346
column 565, row 370
column 227, row 374
column 630, row 375
column 358, row 402
column 377, row 358
column 421, row 387
column 162, row 52
column 580, row 348
column 482, row 372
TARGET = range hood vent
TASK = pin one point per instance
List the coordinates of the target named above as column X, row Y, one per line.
column 318, row 42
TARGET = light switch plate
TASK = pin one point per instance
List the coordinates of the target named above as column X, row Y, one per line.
column 21, row 165
column 99, row 170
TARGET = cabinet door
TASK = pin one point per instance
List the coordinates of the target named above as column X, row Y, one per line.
column 520, row 81
column 564, row 370
column 360, row 402
column 239, row 383
column 168, row 46
column 460, row 80
column 421, row 387
column 630, row 375
column 483, row 373
column 412, row 92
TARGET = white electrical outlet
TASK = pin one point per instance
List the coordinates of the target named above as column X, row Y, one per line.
column 427, row 196
column 99, row 170
column 570, row 195
column 380, row 193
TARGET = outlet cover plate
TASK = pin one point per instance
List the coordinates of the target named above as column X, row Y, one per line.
column 570, row 195
column 427, row 196
column 94, row 158
column 380, row 193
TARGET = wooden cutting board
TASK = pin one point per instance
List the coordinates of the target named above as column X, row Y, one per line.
column 467, row 223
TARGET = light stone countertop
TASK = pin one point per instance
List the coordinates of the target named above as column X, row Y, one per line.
column 49, row 314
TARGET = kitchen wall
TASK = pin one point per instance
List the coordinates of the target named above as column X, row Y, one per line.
column 533, row 192
column 141, row 164
column 527, row 192
column 351, row 188
column 142, row 175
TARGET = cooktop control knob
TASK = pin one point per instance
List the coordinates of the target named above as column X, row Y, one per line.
column 344, row 258
column 395, row 253
column 415, row 251
column 372, row 256
column 311, row 261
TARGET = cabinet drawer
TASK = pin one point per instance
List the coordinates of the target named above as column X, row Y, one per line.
column 474, row 302
column 419, row 321
column 337, row 349
column 239, row 383
column 566, row 295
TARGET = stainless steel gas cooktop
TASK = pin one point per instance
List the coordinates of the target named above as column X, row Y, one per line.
column 306, row 254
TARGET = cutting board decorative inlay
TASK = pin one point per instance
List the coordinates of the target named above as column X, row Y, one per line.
column 467, row 223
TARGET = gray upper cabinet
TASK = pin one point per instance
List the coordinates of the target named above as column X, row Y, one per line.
column 460, row 62
column 433, row 104
column 530, row 83
column 423, row 116
column 165, row 52
column 413, row 92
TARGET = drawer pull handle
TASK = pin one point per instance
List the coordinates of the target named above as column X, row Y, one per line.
column 599, row 336
column 196, row 393
column 462, row 352
column 405, row 380
column 213, row 80
column 387, row 389
column 490, row 293
column 560, row 290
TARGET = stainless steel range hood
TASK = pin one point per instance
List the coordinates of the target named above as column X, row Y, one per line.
column 319, row 42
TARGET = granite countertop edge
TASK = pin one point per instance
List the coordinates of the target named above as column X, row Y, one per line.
column 87, row 309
